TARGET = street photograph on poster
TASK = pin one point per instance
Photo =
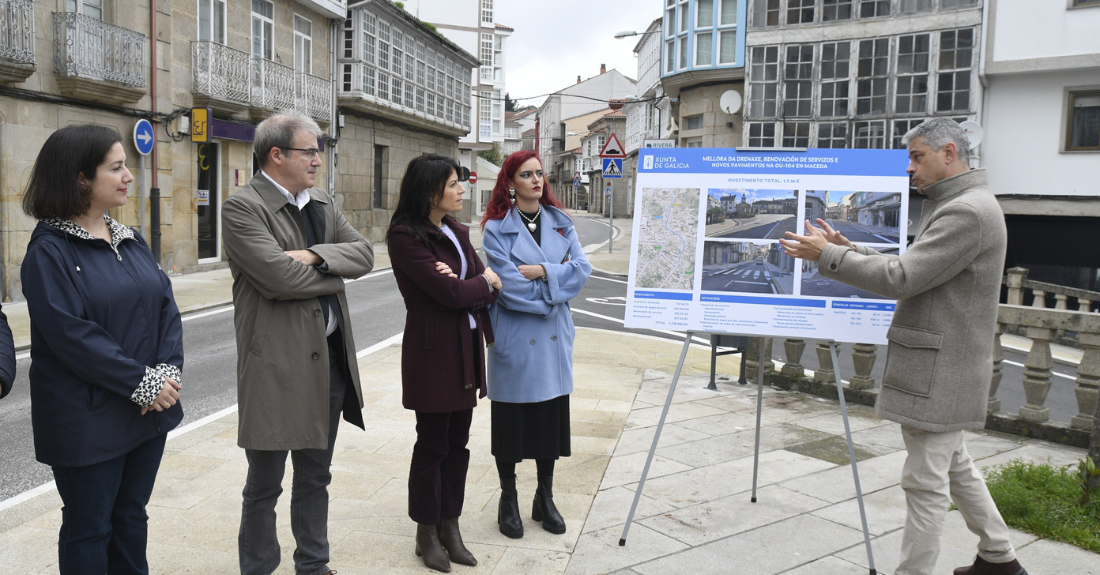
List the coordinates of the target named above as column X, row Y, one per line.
column 747, row 267
column 813, row 284
column 754, row 214
column 872, row 218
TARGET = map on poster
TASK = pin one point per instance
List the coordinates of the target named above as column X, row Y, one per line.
column 705, row 254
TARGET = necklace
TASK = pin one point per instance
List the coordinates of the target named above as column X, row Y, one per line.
column 531, row 224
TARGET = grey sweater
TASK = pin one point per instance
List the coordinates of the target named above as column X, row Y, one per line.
column 939, row 362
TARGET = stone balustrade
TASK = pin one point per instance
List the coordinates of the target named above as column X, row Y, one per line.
column 1032, row 420
column 1064, row 297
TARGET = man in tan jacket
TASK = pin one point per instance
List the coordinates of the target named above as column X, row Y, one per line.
column 289, row 250
column 939, row 363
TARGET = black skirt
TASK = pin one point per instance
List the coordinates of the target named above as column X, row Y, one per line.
column 531, row 430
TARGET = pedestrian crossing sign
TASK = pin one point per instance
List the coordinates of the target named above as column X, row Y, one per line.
column 612, row 167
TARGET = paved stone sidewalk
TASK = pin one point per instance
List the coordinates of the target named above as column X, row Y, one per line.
column 694, row 518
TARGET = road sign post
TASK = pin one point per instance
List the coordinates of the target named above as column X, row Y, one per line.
column 612, row 155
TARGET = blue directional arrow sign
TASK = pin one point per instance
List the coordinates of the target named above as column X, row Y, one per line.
column 612, row 167
column 143, row 137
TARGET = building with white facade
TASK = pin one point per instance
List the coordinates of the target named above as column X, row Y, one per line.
column 470, row 24
column 1042, row 133
column 564, row 116
column 649, row 106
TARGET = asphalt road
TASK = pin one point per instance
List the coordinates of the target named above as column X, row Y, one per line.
column 745, row 277
column 760, row 227
column 858, row 234
column 822, row 286
column 377, row 313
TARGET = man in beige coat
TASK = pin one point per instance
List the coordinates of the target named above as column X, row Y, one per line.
column 939, row 363
column 289, row 250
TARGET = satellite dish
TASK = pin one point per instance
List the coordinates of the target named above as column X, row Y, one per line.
column 730, row 102
column 973, row 132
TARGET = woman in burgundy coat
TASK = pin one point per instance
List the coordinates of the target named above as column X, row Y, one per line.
column 446, row 290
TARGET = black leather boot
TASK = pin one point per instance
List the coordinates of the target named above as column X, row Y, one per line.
column 429, row 546
column 508, row 513
column 544, row 509
column 451, row 538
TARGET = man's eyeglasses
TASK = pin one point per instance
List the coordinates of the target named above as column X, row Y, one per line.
column 309, row 152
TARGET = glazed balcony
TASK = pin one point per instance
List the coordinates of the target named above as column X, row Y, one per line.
column 98, row 61
column 16, row 40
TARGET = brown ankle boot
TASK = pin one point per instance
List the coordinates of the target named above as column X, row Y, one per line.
column 451, row 538
column 429, row 546
column 983, row 567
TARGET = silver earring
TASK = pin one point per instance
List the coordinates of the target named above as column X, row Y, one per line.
column 512, row 195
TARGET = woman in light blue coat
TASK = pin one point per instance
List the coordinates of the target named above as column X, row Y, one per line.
column 532, row 245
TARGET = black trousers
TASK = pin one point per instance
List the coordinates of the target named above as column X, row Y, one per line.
column 437, row 476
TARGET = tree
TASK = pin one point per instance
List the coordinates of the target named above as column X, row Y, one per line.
column 493, row 154
column 509, row 104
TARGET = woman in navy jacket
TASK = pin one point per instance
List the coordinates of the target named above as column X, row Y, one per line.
column 106, row 351
column 533, row 246
column 446, row 290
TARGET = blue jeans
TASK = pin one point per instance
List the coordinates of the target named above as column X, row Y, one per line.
column 104, row 528
column 257, row 542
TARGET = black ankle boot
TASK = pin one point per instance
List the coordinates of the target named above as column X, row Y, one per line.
column 544, row 509
column 508, row 512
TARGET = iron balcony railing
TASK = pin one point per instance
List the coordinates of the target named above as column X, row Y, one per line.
column 91, row 48
column 17, row 31
column 313, row 96
column 220, row 72
column 272, row 85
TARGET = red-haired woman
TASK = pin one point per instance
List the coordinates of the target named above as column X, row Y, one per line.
column 532, row 244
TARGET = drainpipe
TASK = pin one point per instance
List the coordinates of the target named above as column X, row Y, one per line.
column 154, row 189
column 333, row 125
column 982, row 79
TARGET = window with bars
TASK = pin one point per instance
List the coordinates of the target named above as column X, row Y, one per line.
column 800, row 11
column 798, row 81
column 764, row 89
column 956, row 61
column 836, row 10
column 1083, row 121
column 900, row 129
column 836, row 59
column 872, row 74
column 870, row 134
column 762, row 134
column 398, row 54
column 383, row 86
column 796, row 134
column 765, row 13
column 832, row 135
column 874, row 8
column 383, row 45
column 370, row 37
column 486, row 56
column 911, row 91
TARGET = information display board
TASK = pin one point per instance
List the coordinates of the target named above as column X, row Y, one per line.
column 705, row 253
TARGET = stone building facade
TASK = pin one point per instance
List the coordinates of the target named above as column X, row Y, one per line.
column 88, row 61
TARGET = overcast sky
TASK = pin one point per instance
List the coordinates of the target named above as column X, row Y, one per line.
column 557, row 40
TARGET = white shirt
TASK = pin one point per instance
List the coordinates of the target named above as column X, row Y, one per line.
column 447, row 231
column 301, row 200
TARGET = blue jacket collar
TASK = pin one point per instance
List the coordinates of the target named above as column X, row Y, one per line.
column 554, row 248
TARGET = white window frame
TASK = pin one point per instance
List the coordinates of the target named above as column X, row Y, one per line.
column 487, row 12
column 90, row 8
column 210, row 29
column 303, row 45
column 266, row 28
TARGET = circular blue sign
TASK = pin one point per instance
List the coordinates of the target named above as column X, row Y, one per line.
column 143, row 137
